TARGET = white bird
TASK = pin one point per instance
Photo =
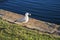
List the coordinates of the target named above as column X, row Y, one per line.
column 24, row 19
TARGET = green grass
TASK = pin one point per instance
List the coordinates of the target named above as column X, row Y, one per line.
column 17, row 32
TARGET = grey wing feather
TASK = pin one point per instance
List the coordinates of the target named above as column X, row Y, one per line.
column 20, row 20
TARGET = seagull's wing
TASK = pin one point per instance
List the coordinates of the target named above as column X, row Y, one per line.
column 21, row 20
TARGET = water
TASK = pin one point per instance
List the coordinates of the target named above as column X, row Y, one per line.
column 46, row 10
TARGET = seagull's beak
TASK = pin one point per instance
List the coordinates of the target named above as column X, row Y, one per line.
column 30, row 14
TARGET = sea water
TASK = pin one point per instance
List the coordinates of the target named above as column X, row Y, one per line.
column 46, row 10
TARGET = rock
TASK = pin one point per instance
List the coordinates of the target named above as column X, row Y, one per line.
column 32, row 24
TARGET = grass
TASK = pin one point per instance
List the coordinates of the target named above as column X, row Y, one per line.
column 10, row 31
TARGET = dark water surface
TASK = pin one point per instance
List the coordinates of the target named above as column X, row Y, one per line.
column 46, row 10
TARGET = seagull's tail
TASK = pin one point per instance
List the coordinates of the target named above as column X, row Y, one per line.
column 15, row 21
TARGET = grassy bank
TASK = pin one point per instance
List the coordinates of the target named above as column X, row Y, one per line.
column 10, row 31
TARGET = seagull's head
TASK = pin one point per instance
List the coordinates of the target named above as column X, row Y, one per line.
column 27, row 13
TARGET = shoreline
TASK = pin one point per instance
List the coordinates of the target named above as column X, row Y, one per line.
column 33, row 23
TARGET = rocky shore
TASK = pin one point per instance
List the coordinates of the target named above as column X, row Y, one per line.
column 42, row 26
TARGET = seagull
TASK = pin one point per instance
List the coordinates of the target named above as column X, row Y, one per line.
column 24, row 19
